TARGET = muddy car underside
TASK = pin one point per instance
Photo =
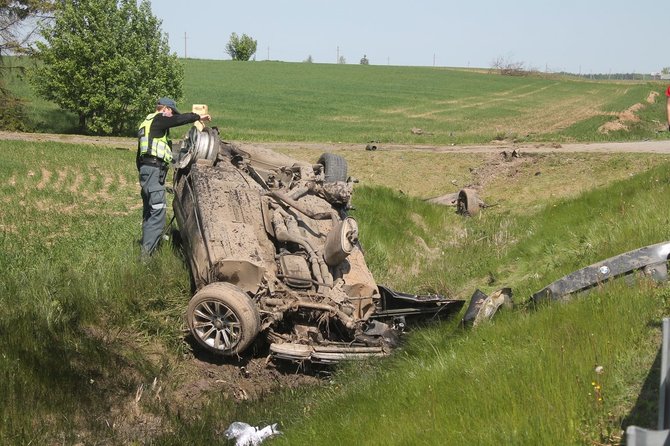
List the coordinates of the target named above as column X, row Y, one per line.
column 273, row 254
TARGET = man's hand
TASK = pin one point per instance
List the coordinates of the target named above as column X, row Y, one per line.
column 209, row 118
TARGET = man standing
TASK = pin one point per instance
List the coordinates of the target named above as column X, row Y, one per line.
column 154, row 155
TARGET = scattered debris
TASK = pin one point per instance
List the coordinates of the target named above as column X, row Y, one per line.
column 513, row 154
column 246, row 435
column 449, row 199
column 650, row 260
column 418, row 131
column 466, row 200
column 483, row 307
column 372, row 145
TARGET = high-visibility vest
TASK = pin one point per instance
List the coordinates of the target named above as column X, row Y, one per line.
column 159, row 147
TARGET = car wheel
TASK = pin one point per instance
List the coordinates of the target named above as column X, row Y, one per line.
column 468, row 202
column 334, row 167
column 223, row 319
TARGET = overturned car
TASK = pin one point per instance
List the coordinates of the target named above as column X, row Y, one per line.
column 273, row 254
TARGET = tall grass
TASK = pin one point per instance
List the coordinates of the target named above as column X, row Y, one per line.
column 73, row 294
column 83, row 322
column 530, row 376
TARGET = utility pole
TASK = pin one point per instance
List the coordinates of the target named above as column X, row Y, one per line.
column 268, row 53
column 433, row 59
column 185, row 38
column 337, row 60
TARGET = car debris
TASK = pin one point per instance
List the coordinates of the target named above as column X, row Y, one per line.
column 466, row 200
column 650, row 260
column 247, row 435
column 274, row 255
column 483, row 307
column 372, row 146
column 513, row 154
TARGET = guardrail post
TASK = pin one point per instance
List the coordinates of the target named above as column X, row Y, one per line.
column 663, row 399
column 637, row 436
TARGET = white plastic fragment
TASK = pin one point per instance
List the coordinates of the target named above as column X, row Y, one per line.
column 246, row 435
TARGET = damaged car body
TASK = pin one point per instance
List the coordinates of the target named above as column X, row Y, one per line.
column 274, row 254
column 650, row 260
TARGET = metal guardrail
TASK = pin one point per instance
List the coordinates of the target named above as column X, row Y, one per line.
column 637, row 436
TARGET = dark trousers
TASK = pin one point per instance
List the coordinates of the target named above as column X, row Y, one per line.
column 154, row 206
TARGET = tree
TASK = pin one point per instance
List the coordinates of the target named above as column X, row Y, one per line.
column 341, row 60
column 108, row 62
column 309, row 59
column 18, row 22
column 364, row 60
column 507, row 67
column 16, row 27
column 241, row 48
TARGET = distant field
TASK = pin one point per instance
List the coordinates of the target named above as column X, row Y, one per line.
column 276, row 101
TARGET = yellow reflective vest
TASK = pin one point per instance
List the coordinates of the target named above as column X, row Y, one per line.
column 159, row 147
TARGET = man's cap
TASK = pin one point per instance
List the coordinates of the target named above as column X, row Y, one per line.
column 169, row 103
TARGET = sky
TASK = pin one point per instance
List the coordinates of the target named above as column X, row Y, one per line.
column 577, row 36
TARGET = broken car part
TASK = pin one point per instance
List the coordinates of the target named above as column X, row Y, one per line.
column 483, row 307
column 466, row 200
column 651, row 260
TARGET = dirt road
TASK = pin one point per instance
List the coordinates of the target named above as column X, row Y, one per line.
column 660, row 146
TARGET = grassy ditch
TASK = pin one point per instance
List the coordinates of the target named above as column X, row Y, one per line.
column 530, row 376
column 77, row 305
column 85, row 325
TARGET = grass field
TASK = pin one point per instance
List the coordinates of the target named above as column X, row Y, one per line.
column 275, row 101
column 93, row 347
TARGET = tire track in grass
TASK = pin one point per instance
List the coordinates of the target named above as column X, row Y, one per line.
column 60, row 182
column 45, row 178
column 95, row 191
column 78, row 182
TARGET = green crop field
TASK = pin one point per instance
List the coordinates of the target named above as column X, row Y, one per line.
column 275, row 101
column 93, row 343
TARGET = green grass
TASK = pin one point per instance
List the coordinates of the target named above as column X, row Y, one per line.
column 83, row 322
column 527, row 379
column 276, row 101
column 72, row 285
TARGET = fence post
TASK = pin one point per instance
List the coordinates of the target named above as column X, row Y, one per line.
column 663, row 400
column 637, row 436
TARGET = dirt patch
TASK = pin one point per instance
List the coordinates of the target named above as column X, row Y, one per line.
column 142, row 411
column 651, row 99
column 46, row 177
column 622, row 119
column 248, row 379
column 498, row 166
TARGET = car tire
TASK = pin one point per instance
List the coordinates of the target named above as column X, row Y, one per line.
column 468, row 202
column 334, row 167
column 223, row 319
